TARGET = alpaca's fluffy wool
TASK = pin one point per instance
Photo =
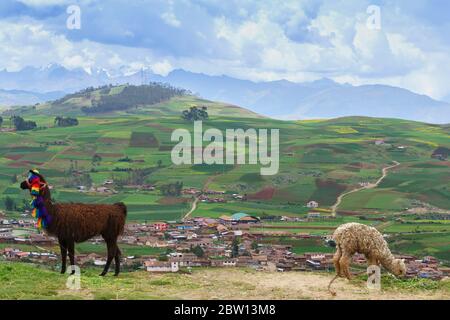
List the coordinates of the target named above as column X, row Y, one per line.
column 353, row 237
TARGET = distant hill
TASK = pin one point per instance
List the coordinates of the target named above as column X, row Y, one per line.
column 319, row 99
column 280, row 99
column 154, row 99
column 19, row 97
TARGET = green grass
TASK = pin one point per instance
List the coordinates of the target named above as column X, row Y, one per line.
column 127, row 250
column 318, row 161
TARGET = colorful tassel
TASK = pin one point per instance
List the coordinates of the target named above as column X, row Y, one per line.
column 39, row 211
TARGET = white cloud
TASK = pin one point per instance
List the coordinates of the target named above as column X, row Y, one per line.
column 259, row 40
column 44, row 3
column 171, row 19
column 162, row 68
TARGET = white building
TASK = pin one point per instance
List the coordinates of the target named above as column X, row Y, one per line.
column 312, row 204
column 161, row 266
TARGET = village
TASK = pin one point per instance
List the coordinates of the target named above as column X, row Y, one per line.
column 225, row 242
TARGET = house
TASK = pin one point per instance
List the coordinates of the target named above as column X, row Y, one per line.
column 41, row 239
column 430, row 260
column 260, row 258
column 314, row 215
column 430, row 273
column 225, row 219
column 161, row 266
column 312, row 204
column 239, row 217
column 224, row 263
column 221, row 228
column 160, row 226
column 191, row 191
column 379, row 142
column 441, row 153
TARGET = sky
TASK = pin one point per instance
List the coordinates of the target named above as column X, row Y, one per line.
column 296, row 40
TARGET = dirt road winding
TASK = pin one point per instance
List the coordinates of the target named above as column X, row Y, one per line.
column 368, row 186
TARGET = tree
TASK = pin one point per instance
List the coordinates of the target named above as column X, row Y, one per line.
column 65, row 122
column 235, row 248
column 198, row 251
column 1, row 121
column 159, row 163
column 10, row 204
column 21, row 125
column 195, row 114
column 172, row 189
column 57, row 121
column 96, row 159
column 133, row 97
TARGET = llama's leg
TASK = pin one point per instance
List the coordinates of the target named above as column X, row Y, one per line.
column 117, row 261
column 345, row 264
column 336, row 258
column 111, row 253
column 63, row 248
column 71, row 249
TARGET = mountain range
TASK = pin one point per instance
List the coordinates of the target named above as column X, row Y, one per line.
column 20, row 97
column 282, row 99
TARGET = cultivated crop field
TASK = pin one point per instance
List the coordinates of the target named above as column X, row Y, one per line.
column 319, row 160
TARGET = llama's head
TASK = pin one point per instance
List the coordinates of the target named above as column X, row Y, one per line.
column 27, row 184
column 399, row 267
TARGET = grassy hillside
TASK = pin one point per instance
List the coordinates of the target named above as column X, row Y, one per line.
column 159, row 100
column 319, row 160
column 24, row 281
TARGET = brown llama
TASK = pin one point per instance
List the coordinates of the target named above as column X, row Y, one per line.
column 75, row 223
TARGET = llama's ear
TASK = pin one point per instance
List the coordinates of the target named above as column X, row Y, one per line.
column 403, row 260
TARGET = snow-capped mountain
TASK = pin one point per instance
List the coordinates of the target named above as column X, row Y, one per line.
column 281, row 99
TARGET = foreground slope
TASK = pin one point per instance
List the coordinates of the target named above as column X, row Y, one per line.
column 21, row 281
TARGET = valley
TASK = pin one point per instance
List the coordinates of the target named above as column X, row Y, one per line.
column 124, row 155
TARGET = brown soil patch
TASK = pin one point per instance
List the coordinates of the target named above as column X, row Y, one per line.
column 264, row 194
column 14, row 157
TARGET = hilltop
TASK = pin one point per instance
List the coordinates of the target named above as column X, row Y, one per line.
column 155, row 99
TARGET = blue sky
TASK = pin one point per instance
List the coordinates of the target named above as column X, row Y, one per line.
column 299, row 40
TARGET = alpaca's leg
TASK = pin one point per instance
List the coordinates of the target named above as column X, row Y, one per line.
column 371, row 260
column 71, row 249
column 336, row 258
column 117, row 261
column 63, row 248
column 345, row 264
column 111, row 253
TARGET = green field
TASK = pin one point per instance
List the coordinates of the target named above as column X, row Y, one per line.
column 319, row 160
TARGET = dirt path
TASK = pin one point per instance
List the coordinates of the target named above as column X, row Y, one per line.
column 193, row 208
column 195, row 203
column 369, row 186
column 244, row 284
column 60, row 152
